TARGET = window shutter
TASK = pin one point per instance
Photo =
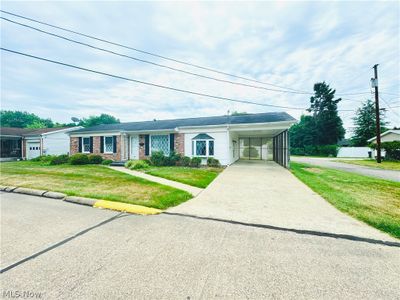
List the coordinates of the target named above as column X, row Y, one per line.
column 114, row 144
column 80, row 145
column 146, row 144
column 91, row 144
column 172, row 142
column 102, row 144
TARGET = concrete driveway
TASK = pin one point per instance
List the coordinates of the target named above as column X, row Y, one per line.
column 331, row 163
column 265, row 193
column 67, row 251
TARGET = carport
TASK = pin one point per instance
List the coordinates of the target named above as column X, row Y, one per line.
column 269, row 142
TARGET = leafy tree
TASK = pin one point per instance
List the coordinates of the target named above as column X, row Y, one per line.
column 238, row 113
column 365, row 123
column 303, row 133
column 23, row 119
column 329, row 126
column 98, row 120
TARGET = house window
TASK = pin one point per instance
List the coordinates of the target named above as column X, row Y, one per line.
column 203, row 145
column 160, row 143
column 108, row 144
column 86, row 145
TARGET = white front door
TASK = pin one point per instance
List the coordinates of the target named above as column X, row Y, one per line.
column 32, row 149
column 134, row 147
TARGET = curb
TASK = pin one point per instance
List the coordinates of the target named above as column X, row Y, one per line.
column 125, row 207
column 118, row 206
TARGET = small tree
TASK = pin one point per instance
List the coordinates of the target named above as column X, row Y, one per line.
column 365, row 123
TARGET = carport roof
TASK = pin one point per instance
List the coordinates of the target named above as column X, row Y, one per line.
column 268, row 117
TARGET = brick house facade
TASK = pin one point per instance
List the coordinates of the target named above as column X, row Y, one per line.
column 96, row 148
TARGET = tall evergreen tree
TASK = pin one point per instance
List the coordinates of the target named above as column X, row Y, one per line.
column 365, row 123
column 329, row 126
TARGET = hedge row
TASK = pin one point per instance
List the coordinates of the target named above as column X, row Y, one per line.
column 325, row 150
column 76, row 159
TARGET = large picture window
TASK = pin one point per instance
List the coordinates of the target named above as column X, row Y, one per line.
column 108, row 144
column 86, row 145
column 160, row 143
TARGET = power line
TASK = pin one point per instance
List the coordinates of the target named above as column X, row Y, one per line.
column 390, row 107
column 148, row 83
column 146, row 61
column 150, row 53
column 164, row 57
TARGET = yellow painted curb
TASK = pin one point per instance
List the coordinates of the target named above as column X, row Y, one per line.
column 130, row 208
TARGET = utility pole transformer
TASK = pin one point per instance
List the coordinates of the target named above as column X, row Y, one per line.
column 374, row 82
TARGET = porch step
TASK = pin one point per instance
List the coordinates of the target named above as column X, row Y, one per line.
column 117, row 164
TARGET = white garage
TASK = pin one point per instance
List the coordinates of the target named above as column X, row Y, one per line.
column 33, row 149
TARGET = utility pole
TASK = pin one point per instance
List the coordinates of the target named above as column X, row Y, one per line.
column 378, row 122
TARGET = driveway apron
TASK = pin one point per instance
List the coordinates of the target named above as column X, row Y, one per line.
column 260, row 192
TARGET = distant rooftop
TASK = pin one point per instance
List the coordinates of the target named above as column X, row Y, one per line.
column 191, row 122
column 27, row 131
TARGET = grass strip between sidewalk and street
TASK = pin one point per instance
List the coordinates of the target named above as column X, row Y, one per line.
column 91, row 181
column 385, row 165
column 371, row 200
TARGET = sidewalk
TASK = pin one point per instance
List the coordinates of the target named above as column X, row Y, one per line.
column 181, row 186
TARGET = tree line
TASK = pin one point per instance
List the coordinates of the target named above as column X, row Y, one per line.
column 23, row 119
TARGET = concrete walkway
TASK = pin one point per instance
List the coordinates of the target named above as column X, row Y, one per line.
column 185, row 187
column 265, row 193
column 331, row 163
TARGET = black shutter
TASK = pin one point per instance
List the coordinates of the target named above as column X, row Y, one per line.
column 80, row 145
column 146, row 144
column 102, row 144
column 91, row 144
column 114, row 144
column 171, row 142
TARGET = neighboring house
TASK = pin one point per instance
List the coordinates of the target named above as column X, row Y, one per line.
column 24, row 143
column 388, row 136
column 227, row 138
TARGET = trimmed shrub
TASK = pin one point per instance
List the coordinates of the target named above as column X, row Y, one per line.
column 138, row 164
column 184, row 161
column 157, row 159
column 43, row 158
column 107, row 162
column 59, row 159
column 174, row 158
column 195, row 162
column 95, row 159
column 129, row 163
column 213, row 162
column 79, row 159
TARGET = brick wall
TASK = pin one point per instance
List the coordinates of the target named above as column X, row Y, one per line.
column 179, row 143
column 74, row 148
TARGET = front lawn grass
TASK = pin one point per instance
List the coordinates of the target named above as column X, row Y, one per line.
column 386, row 165
column 199, row 177
column 93, row 181
column 373, row 201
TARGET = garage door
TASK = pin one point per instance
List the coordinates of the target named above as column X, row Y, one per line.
column 32, row 150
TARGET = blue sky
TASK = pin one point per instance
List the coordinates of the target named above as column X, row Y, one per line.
column 293, row 44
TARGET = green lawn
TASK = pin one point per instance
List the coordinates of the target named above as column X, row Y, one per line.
column 199, row 177
column 93, row 181
column 387, row 165
column 373, row 201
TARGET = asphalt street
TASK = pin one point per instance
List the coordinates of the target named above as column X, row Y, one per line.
column 65, row 251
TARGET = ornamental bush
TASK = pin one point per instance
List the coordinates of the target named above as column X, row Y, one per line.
column 139, row 164
column 213, row 162
column 392, row 149
column 79, row 159
column 59, row 159
column 184, row 161
column 157, row 159
column 95, row 159
column 107, row 162
column 195, row 162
